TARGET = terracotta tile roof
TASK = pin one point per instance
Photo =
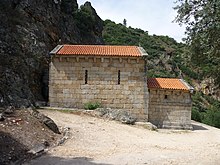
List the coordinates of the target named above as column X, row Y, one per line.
column 167, row 83
column 99, row 50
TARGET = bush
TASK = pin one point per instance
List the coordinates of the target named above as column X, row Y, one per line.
column 212, row 117
column 196, row 115
column 92, row 106
column 206, row 109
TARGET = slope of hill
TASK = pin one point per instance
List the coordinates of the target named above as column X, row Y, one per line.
column 164, row 52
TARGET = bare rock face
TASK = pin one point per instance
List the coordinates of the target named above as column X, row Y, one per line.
column 29, row 30
column 2, row 118
column 208, row 87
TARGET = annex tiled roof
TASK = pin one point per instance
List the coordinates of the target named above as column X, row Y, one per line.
column 168, row 83
column 99, row 50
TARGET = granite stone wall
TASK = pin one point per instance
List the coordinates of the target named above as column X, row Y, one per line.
column 114, row 82
column 170, row 108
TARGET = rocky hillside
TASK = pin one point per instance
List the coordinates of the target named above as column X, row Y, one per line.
column 165, row 55
column 29, row 30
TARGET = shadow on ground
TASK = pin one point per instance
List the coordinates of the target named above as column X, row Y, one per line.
column 51, row 160
column 11, row 150
column 198, row 127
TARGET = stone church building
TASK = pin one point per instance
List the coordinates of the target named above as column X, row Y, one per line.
column 115, row 76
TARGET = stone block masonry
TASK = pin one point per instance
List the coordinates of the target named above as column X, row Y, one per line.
column 170, row 108
column 115, row 82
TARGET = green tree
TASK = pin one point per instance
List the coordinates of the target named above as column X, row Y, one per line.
column 202, row 18
column 125, row 22
column 85, row 19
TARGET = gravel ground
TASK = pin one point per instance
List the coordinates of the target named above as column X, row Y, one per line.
column 100, row 141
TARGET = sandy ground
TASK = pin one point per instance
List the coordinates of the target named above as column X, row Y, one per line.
column 100, row 141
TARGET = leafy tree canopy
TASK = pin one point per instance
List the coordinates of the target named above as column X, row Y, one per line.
column 202, row 18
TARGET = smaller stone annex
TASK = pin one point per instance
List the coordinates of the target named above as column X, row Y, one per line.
column 170, row 103
column 115, row 76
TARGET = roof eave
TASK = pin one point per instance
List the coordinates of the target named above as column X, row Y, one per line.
column 56, row 49
column 185, row 90
column 142, row 51
column 190, row 88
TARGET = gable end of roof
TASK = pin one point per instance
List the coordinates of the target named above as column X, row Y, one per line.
column 56, row 49
column 143, row 52
column 187, row 85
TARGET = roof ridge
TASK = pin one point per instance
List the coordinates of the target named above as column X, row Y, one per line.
column 101, row 45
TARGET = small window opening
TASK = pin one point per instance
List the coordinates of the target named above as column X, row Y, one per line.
column 86, row 76
column 166, row 97
column 119, row 77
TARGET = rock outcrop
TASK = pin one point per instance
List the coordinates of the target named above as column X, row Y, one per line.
column 46, row 120
column 29, row 29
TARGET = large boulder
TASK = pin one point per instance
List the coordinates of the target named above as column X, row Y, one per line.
column 46, row 120
column 128, row 119
column 51, row 124
column 116, row 114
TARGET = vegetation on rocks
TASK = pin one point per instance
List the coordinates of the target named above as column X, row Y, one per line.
column 166, row 57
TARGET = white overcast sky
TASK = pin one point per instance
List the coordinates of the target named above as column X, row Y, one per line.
column 154, row 16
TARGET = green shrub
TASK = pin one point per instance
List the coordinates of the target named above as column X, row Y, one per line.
column 196, row 115
column 212, row 117
column 92, row 106
column 188, row 71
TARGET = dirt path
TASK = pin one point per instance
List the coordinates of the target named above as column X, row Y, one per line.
column 99, row 141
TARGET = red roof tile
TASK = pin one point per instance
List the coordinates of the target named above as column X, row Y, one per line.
column 166, row 83
column 99, row 50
